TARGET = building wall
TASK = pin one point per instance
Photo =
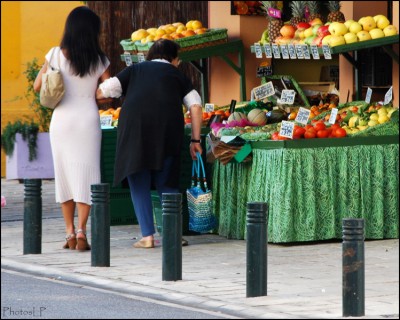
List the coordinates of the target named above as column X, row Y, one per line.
column 27, row 32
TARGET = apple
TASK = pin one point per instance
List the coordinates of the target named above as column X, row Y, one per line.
column 381, row 21
column 317, row 41
column 326, row 39
column 350, row 37
column 355, row 27
column 287, row 31
column 315, row 28
column 376, row 33
column 337, row 28
column 309, row 39
column 323, row 31
column 299, row 33
column 368, row 23
column 308, row 32
column 390, row 30
column 348, row 23
column 316, row 21
column 363, row 35
column 336, row 41
column 303, row 25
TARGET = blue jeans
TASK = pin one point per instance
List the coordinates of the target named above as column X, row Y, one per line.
column 140, row 188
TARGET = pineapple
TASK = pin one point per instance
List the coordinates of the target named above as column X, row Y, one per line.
column 313, row 8
column 334, row 12
column 274, row 24
column 297, row 12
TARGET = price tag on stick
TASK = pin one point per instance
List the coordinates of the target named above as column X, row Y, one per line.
column 285, row 51
column 299, row 51
column 292, row 51
column 276, row 51
column 257, row 49
column 128, row 59
column 332, row 118
column 314, row 51
column 141, row 57
column 326, row 50
column 368, row 95
column 287, row 96
column 302, row 115
column 306, row 51
column 388, row 96
column 209, row 107
column 264, row 91
column 105, row 121
column 268, row 50
column 287, row 128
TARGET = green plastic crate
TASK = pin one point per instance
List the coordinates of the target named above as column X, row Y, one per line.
column 121, row 208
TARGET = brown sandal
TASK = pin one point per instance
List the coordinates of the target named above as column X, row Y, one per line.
column 82, row 243
column 70, row 241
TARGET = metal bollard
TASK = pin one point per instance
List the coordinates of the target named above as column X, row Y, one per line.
column 256, row 244
column 100, row 225
column 353, row 268
column 172, row 236
column 33, row 216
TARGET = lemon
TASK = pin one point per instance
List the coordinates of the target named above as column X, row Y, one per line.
column 372, row 123
column 374, row 117
column 383, row 118
column 382, row 111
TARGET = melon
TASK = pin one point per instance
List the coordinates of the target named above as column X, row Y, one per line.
column 257, row 116
column 236, row 116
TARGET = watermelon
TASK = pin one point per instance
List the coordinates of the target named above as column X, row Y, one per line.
column 236, row 116
column 257, row 116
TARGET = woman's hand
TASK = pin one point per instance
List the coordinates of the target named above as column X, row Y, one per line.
column 196, row 114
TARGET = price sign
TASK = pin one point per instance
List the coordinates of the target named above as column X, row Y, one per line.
column 299, row 51
column 287, row 128
column 314, row 51
column 287, row 96
column 264, row 91
column 268, row 50
column 264, row 71
column 285, row 51
column 257, row 49
column 276, row 51
column 292, row 51
column 306, row 51
column 302, row 115
column 128, row 59
column 388, row 96
column 209, row 107
column 332, row 118
column 105, row 121
column 326, row 51
column 368, row 96
column 140, row 57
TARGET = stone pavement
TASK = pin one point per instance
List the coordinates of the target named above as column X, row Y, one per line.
column 304, row 280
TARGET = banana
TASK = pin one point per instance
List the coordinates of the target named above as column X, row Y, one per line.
column 264, row 37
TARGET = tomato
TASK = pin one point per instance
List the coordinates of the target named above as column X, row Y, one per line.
column 282, row 137
column 298, row 132
column 308, row 126
column 322, row 133
column 340, row 133
column 335, row 126
column 275, row 135
column 319, row 126
column 354, row 109
column 329, row 129
column 310, row 134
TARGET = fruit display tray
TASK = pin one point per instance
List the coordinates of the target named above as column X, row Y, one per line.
column 209, row 38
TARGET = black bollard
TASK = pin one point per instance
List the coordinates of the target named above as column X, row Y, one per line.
column 172, row 236
column 353, row 268
column 33, row 216
column 256, row 243
column 100, row 225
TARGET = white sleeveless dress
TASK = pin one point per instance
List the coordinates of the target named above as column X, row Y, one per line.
column 75, row 134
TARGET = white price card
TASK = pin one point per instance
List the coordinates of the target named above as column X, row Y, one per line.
column 388, row 96
column 257, row 49
column 105, row 121
column 292, row 51
column 302, row 115
column 268, row 50
column 209, row 107
column 314, row 51
column 368, row 95
column 299, row 51
column 306, row 51
column 276, row 51
column 264, row 91
column 326, row 50
column 287, row 128
column 332, row 118
column 128, row 59
column 141, row 57
column 287, row 96
column 284, row 51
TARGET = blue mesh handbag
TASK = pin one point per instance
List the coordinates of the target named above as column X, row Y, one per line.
column 201, row 216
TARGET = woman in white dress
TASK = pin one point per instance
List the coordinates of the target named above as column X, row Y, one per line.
column 75, row 132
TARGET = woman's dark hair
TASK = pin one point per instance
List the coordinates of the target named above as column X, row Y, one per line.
column 81, row 40
column 163, row 49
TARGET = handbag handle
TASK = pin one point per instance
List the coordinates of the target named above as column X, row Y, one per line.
column 51, row 57
column 196, row 167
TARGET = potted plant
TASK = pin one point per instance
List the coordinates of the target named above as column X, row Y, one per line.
column 27, row 143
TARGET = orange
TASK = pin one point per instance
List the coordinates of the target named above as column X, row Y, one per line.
column 241, row 7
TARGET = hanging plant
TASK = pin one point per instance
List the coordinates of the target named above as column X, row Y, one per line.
column 29, row 132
